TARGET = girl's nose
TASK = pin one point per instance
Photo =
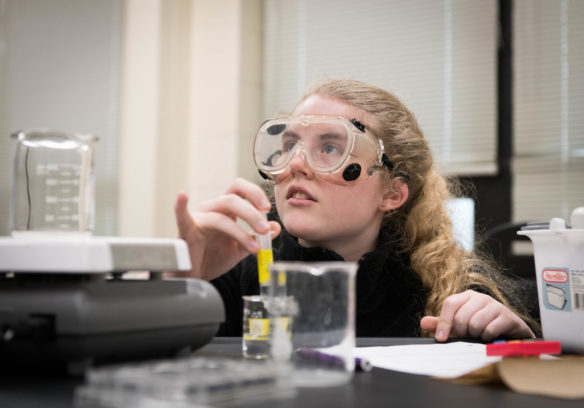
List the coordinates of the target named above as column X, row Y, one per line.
column 298, row 164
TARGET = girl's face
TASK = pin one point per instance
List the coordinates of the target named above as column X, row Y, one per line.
column 328, row 211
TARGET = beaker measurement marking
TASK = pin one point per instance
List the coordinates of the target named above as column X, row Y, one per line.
column 73, row 182
column 53, row 217
column 56, row 200
column 58, row 169
column 55, row 183
column 41, row 170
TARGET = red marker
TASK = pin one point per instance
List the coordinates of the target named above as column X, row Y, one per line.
column 523, row 348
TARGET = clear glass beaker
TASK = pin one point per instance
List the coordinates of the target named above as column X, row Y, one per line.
column 321, row 299
column 53, row 185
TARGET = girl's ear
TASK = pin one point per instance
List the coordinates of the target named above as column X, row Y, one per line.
column 395, row 196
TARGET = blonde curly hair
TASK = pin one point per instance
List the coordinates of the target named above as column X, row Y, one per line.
column 423, row 222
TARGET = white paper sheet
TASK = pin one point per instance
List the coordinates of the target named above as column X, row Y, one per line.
column 448, row 360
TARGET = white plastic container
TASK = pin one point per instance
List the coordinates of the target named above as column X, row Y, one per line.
column 559, row 265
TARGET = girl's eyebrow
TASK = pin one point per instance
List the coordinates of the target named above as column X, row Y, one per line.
column 330, row 135
column 289, row 133
column 327, row 135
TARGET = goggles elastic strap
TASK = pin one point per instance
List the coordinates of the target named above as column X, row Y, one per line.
column 264, row 175
column 358, row 125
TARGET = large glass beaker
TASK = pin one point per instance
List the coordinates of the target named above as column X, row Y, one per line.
column 53, row 184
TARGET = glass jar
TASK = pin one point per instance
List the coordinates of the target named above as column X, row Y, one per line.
column 53, row 184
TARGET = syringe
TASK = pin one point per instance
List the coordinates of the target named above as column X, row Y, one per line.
column 265, row 258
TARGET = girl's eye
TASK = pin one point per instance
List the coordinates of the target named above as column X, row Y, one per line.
column 289, row 145
column 330, row 149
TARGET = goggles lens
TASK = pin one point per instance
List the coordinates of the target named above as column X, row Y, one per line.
column 325, row 142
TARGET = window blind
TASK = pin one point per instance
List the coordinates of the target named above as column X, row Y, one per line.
column 439, row 57
column 548, row 109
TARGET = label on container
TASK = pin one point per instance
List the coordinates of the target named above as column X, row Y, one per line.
column 265, row 257
column 563, row 289
column 577, row 277
column 257, row 329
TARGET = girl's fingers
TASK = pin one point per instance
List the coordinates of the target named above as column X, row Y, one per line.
column 184, row 221
column 429, row 323
column 479, row 321
column 242, row 200
column 463, row 316
column 251, row 192
column 446, row 319
column 275, row 228
column 234, row 207
column 211, row 222
column 475, row 314
column 501, row 325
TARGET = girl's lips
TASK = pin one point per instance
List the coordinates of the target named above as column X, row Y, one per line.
column 298, row 194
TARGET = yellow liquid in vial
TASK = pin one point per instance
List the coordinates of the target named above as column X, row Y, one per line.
column 265, row 257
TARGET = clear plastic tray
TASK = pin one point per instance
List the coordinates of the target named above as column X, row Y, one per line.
column 188, row 382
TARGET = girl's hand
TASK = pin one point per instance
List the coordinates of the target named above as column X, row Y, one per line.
column 216, row 241
column 473, row 314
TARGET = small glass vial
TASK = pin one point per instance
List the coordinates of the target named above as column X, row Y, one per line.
column 256, row 328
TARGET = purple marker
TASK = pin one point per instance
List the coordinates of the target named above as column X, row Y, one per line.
column 320, row 358
column 362, row 364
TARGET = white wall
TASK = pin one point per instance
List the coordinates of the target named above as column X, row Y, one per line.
column 190, row 105
column 171, row 88
column 59, row 68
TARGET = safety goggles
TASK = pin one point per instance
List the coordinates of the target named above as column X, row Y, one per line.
column 327, row 144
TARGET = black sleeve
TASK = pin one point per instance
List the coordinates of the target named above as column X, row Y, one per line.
column 240, row 281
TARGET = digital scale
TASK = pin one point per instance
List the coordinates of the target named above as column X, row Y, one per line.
column 66, row 299
column 66, row 303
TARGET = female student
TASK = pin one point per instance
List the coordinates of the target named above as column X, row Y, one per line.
column 354, row 180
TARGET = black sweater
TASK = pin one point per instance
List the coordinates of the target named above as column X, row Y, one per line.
column 390, row 296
